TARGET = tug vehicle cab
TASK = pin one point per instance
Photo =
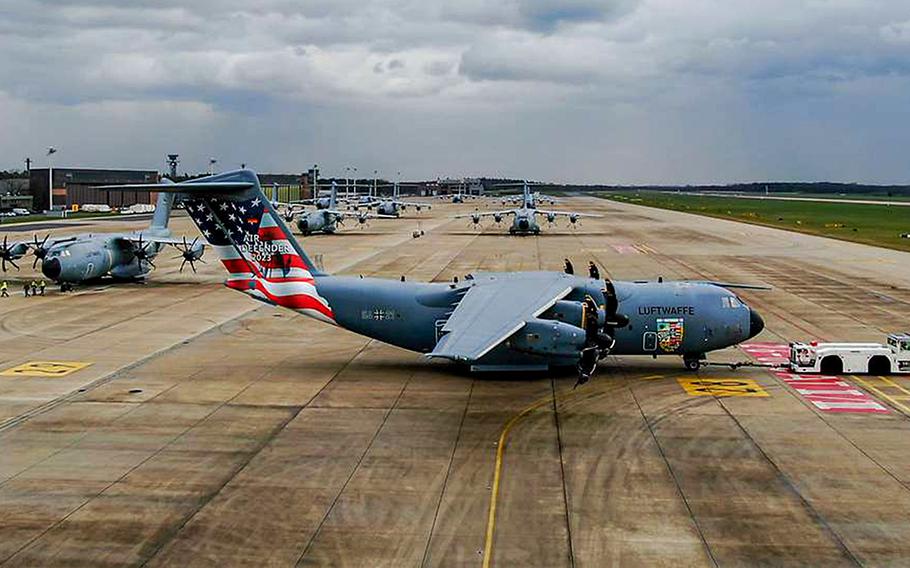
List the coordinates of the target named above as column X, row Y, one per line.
column 840, row 358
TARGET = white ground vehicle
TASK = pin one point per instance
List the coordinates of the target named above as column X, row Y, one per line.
column 839, row 358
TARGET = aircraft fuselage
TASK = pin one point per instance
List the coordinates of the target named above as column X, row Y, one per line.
column 524, row 222
column 676, row 318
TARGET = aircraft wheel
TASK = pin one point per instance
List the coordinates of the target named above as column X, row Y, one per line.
column 692, row 364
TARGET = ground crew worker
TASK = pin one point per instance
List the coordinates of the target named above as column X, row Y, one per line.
column 592, row 271
column 4, row 289
column 34, row 288
column 41, row 286
column 26, row 288
column 569, row 268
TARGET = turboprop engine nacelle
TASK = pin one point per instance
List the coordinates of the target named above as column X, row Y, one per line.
column 568, row 311
column 549, row 338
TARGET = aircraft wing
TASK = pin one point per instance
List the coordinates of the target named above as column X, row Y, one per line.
column 484, row 214
column 153, row 239
column 566, row 213
column 414, row 203
column 494, row 308
column 356, row 215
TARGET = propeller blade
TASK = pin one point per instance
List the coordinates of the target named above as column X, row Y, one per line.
column 182, row 264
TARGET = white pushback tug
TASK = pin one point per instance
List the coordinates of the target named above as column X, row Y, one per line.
column 839, row 358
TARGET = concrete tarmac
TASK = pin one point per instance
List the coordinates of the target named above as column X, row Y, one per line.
column 209, row 430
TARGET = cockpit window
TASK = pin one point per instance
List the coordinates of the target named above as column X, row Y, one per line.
column 731, row 302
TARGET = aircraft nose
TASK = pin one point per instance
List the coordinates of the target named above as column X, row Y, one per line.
column 51, row 268
column 756, row 324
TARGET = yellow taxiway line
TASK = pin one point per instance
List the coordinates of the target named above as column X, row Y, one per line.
column 878, row 386
column 497, row 475
column 497, row 471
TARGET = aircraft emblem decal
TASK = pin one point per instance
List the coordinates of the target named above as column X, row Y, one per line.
column 670, row 333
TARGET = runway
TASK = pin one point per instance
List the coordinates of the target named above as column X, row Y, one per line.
column 207, row 429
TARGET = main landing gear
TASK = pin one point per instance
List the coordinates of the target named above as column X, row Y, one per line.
column 693, row 362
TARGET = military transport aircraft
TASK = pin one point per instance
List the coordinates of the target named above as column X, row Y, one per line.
column 124, row 256
column 394, row 206
column 488, row 321
column 536, row 197
column 328, row 219
column 524, row 219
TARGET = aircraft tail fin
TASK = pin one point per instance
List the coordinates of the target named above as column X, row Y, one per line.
column 262, row 257
column 163, row 208
column 333, row 197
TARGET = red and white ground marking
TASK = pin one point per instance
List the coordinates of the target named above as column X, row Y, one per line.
column 827, row 393
column 626, row 249
column 771, row 353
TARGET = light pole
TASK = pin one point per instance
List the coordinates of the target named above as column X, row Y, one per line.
column 172, row 161
column 50, row 178
column 375, row 189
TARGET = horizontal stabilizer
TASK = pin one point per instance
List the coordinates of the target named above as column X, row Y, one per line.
column 184, row 187
column 227, row 183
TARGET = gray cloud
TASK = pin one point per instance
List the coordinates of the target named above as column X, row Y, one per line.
column 597, row 90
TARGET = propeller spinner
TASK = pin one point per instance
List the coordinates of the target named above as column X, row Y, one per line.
column 190, row 254
column 141, row 252
column 39, row 250
column 10, row 253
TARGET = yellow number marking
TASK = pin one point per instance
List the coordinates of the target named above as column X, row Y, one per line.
column 721, row 387
column 45, row 369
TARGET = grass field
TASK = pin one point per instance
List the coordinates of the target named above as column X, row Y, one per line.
column 32, row 218
column 879, row 225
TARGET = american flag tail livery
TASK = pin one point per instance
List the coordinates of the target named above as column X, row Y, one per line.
column 257, row 249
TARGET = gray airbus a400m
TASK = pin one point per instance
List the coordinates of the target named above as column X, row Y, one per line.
column 328, row 219
column 489, row 321
column 393, row 207
column 123, row 256
column 524, row 219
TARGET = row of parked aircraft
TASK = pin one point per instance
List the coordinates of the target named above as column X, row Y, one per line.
column 87, row 257
column 327, row 215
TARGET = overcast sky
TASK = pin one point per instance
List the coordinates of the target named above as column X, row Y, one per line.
column 614, row 91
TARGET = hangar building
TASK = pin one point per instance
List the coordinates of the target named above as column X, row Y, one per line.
column 76, row 186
